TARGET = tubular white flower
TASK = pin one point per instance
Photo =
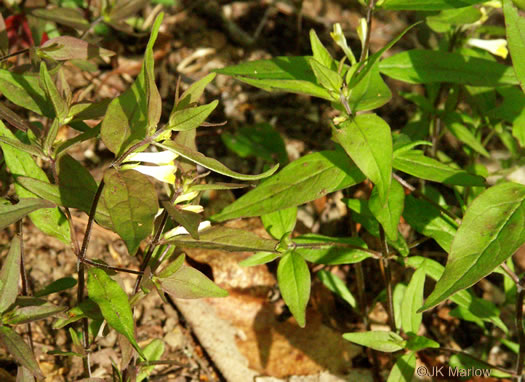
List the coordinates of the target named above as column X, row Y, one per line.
column 340, row 39
column 193, row 208
column 164, row 173
column 186, row 197
column 162, row 157
column 497, row 47
column 180, row 230
column 362, row 31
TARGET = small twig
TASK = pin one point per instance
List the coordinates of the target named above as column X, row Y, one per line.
column 17, row 53
column 423, row 196
column 387, row 275
column 81, row 276
column 23, row 276
column 512, row 275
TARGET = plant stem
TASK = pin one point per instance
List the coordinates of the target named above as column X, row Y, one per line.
column 519, row 328
column 489, row 365
column 81, row 276
column 23, row 276
column 387, row 275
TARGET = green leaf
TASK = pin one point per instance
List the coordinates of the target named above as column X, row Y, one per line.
column 390, row 213
column 320, row 53
column 462, row 362
column 24, row 90
column 291, row 74
column 153, row 352
column 280, row 222
column 388, row 342
column 66, row 16
column 190, row 118
column 86, row 308
column 11, row 213
column 113, row 303
column 306, row 179
column 515, row 28
column 31, row 309
column 193, row 93
column 455, row 124
column 415, row 163
column 227, row 239
column 14, row 119
column 330, row 250
column 210, row 163
column 430, row 66
column 59, row 285
column 492, row 230
column 450, row 18
column 59, row 104
column 326, row 77
column 64, row 48
column 483, row 309
column 187, row 219
column 417, row 343
column 337, row 286
column 370, row 93
column 259, row 258
column 132, row 203
column 428, row 220
column 260, row 141
column 51, row 221
column 173, row 267
column 403, row 370
column 188, row 282
column 426, row 5
column 293, row 277
column 368, row 141
column 30, row 149
column 9, row 275
column 134, row 114
column 412, row 301
column 15, row 345
column 399, row 293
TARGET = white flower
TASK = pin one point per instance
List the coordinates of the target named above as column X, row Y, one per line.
column 362, row 31
column 186, row 197
column 340, row 39
column 180, row 230
column 192, row 208
column 162, row 157
column 497, row 47
column 165, row 173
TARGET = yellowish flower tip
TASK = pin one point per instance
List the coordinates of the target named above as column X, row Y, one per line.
column 193, row 208
column 493, row 4
column 362, row 31
column 497, row 47
column 186, row 197
column 340, row 39
column 164, row 173
column 162, row 157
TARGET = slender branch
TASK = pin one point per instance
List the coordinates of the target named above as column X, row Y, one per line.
column 23, row 276
column 81, row 276
column 387, row 275
column 17, row 53
column 423, row 196
column 369, row 13
column 519, row 328
column 512, row 275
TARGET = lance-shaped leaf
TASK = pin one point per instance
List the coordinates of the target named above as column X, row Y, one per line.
column 428, row 220
column 412, row 301
column 227, row 239
column 30, row 149
column 415, row 163
column 368, row 141
column 431, row 66
column 9, row 275
column 59, row 285
column 460, row 131
column 390, row 213
column 280, row 222
column 153, row 352
column 63, row 48
column 190, row 118
column 293, row 277
column 59, row 104
column 70, row 17
column 11, row 213
column 370, row 93
column 131, row 201
column 24, row 90
column 328, row 78
column 426, row 5
column 23, row 374
column 21, row 351
column 492, row 230
column 403, row 370
column 49, row 220
column 187, row 219
column 320, row 249
column 132, row 116
column 14, row 119
column 291, row 74
column 337, row 286
column 388, row 342
column 515, row 28
column 306, row 179
column 210, row 163
column 31, row 309
column 188, row 282
column 320, row 53
column 113, row 303
column 193, row 93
